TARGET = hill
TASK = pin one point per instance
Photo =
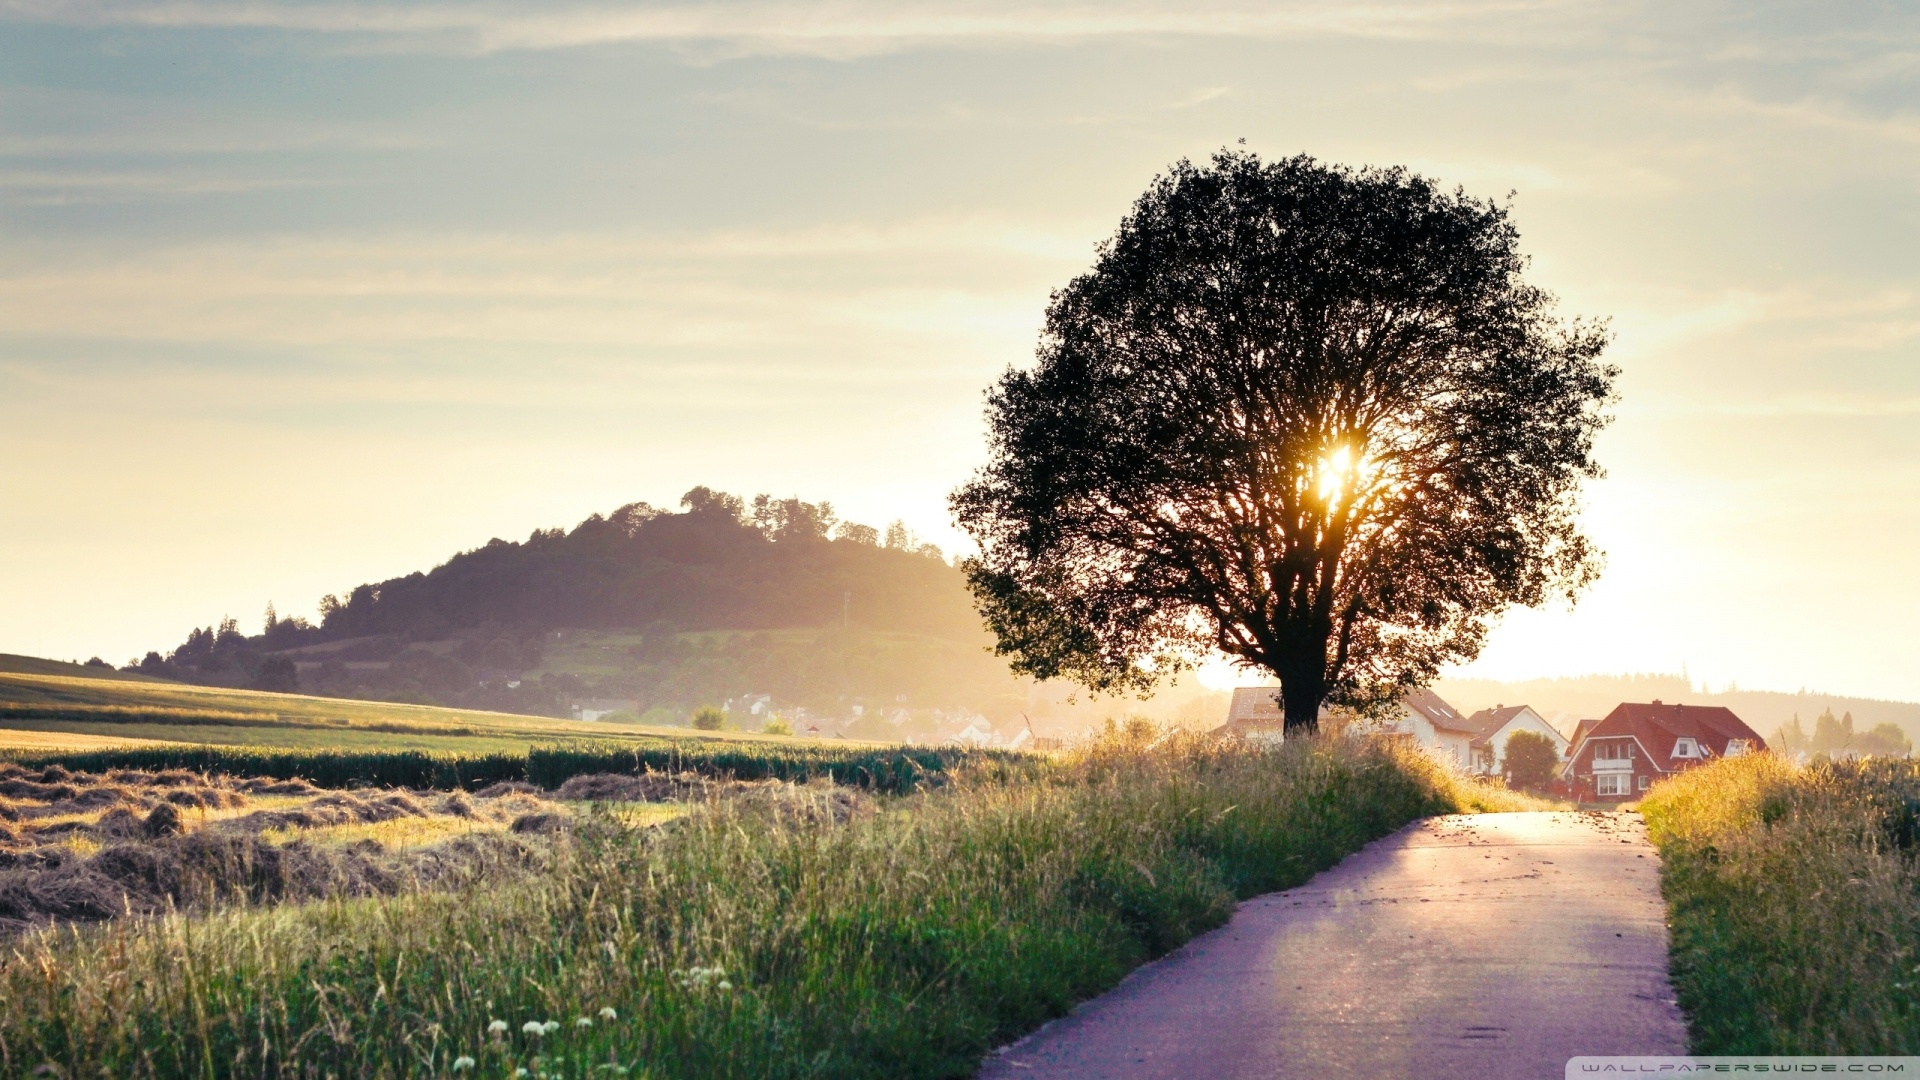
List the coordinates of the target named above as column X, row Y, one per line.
column 92, row 669
column 774, row 606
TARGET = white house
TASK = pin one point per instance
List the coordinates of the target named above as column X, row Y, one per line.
column 1437, row 726
column 1497, row 725
column 1256, row 715
column 595, row 708
column 977, row 732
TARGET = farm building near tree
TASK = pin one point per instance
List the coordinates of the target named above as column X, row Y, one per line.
column 1619, row 757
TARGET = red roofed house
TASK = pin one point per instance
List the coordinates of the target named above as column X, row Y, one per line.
column 1619, row 757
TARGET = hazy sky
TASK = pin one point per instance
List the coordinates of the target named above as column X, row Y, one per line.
column 299, row 295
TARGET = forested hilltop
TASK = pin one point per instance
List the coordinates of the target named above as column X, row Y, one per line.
column 655, row 611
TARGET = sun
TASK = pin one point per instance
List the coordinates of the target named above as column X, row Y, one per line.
column 1334, row 474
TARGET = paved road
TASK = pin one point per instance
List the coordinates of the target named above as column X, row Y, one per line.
column 1490, row 946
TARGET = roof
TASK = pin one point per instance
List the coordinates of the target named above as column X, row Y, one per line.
column 1429, row 706
column 1487, row 722
column 1658, row 726
column 1255, row 705
column 1255, row 710
column 1580, row 730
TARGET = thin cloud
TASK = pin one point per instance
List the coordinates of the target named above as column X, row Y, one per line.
column 840, row 28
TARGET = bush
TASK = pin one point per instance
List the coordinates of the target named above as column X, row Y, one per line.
column 708, row 718
column 776, row 726
column 750, row 940
column 1794, row 902
column 1531, row 761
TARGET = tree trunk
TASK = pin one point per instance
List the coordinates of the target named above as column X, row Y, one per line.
column 1301, row 692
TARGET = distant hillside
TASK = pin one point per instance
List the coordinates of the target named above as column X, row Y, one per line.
column 649, row 613
column 1569, row 699
column 11, row 664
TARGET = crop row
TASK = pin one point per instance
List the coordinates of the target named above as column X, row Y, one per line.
column 885, row 769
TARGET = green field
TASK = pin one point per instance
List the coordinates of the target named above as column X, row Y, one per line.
column 50, row 697
column 829, row 934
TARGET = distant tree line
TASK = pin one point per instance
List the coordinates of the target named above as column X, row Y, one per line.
column 1835, row 737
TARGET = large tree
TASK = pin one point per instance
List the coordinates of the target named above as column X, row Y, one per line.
column 1309, row 416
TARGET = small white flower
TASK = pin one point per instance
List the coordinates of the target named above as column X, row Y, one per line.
column 497, row 1026
column 549, row 1027
column 583, row 1022
column 608, row 1014
column 725, row 985
column 462, row 1063
column 521, row 1071
column 534, row 1027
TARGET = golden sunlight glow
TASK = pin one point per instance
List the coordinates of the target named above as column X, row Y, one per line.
column 1334, row 475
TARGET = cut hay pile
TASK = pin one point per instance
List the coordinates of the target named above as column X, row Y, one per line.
column 78, row 847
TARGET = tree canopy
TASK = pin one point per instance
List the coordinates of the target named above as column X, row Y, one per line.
column 1308, row 416
column 1530, row 761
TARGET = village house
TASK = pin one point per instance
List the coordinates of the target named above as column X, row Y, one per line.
column 1493, row 727
column 1620, row 756
column 1437, row 727
column 1255, row 714
column 595, row 708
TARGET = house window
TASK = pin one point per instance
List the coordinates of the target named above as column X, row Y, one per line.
column 1643, row 782
column 1736, row 747
column 1613, row 751
column 1611, row 784
column 1686, row 748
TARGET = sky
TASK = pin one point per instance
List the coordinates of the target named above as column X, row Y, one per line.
column 295, row 296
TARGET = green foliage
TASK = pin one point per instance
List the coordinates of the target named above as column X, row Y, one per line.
column 1207, row 456
column 776, row 726
column 888, row 769
column 709, row 718
column 1831, row 734
column 738, row 943
column 1531, row 761
column 1794, row 901
column 1790, row 738
column 1886, row 739
column 325, row 768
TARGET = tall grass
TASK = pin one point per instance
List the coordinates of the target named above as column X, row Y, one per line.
column 750, row 939
column 1794, row 900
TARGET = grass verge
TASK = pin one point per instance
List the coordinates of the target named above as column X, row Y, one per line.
column 1794, row 904
column 745, row 940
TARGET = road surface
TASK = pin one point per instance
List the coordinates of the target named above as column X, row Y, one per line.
column 1490, row 946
